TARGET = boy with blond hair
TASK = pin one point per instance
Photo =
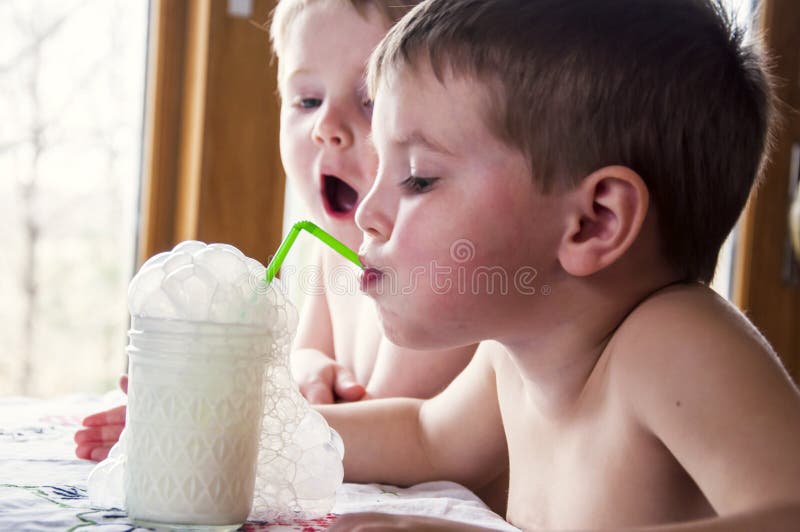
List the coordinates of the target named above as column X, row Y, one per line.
column 604, row 150
column 339, row 353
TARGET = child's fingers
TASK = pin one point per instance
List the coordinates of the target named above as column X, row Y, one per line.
column 105, row 434
column 113, row 416
column 100, row 453
column 92, row 452
column 317, row 393
column 346, row 387
column 123, row 383
column 84, row 451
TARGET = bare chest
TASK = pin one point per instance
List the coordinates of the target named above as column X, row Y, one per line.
column 356, row 331
column 595, row 469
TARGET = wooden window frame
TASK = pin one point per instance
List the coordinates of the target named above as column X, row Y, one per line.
column 211, row 164
column 762, row 288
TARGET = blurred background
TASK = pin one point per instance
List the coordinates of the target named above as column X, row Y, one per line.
column 127, row 126
column 72, row 81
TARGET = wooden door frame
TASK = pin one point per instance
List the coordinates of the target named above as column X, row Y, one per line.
column 763, row 286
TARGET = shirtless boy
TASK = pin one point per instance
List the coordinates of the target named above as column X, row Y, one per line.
column 605, row 149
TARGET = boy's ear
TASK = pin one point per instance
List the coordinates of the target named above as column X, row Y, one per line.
column 604, row 219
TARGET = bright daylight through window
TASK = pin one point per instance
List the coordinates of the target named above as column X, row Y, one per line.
column 72, row 77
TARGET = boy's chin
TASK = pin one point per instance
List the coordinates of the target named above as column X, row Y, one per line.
column 418, row 338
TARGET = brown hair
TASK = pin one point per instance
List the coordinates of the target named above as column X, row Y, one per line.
column 665, row 87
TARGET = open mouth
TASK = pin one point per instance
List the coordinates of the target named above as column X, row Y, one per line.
column 340, row 197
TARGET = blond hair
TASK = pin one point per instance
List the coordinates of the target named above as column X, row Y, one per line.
column 287, row 10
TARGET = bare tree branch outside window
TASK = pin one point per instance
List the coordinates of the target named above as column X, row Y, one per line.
column 71, row 97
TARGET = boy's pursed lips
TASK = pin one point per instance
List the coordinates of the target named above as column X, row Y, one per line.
column 370, row 275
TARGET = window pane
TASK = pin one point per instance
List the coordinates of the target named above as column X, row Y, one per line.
column 72, row 77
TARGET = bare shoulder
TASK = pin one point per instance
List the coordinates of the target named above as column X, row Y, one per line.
column 695, row 373
column 687, row 349
column 688, row 335
column 693, row 315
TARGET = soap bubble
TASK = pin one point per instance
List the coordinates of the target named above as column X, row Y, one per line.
column 337, row 443
column 316, row 506
column 189, row 246
column 228, row 247
column 158, row 305
column 313, row 430
column 254, row 265
column 190, row 288
column 142, row 287
column 175, row 261
column 227, row 266
column 106, row 481
column 322, row 472
column 224, row 307
column 155, row 260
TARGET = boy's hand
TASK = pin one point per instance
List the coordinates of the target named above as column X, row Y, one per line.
column 322, row 380
column 102, row 430
column 365, row 522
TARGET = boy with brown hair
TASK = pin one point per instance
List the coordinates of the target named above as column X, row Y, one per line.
column 593, row 155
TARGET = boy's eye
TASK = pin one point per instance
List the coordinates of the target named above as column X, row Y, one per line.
column 308, row 103
column 419, row 185
column 367, row 105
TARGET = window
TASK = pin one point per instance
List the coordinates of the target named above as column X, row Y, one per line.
column 743, row 11
column 72, row 79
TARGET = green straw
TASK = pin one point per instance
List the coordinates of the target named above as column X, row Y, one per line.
column 275, row 264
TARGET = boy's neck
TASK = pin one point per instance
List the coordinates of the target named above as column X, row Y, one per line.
column 557, row 360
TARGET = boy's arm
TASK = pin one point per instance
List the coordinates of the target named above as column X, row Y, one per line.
column 458, row 435
column 320, row 378
column 371, row 521
column 705, row 383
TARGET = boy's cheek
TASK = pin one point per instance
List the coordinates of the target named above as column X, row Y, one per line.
column 297, row 155
column 418, row 315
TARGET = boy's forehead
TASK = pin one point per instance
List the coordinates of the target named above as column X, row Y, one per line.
column 413, row 107
column 329, row 37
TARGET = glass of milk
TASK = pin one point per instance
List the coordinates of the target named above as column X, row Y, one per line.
column 199, row 345
column 212, row 407
column 194, row 416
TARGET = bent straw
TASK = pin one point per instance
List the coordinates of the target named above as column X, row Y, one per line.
column 283, row 250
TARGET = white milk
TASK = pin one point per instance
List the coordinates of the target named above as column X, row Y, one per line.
column 194, row 417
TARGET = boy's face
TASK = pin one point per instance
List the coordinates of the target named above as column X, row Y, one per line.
column 325, row 112
column 466, row 247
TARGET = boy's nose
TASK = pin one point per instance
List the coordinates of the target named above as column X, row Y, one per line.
column 373, row 216
column 332, row 129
